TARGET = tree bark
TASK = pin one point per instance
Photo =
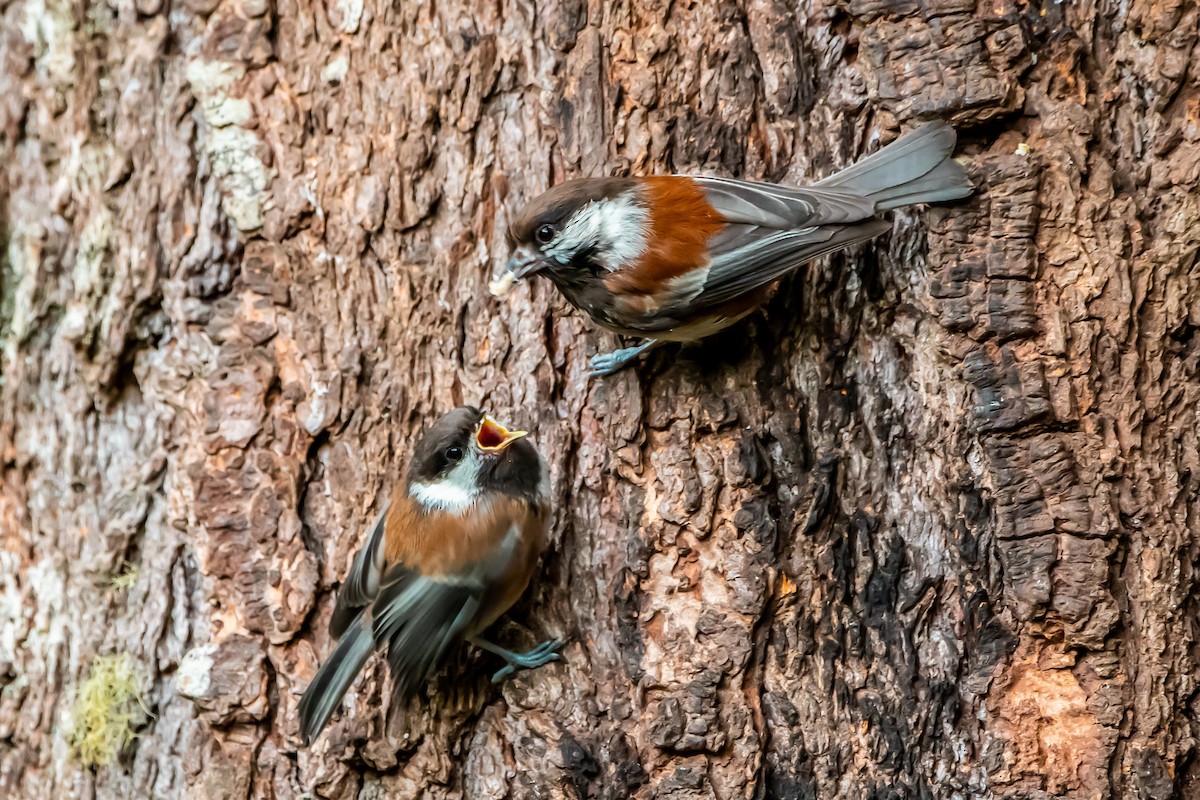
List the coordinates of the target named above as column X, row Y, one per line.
column 926, row 527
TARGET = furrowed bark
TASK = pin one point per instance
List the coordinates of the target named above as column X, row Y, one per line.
column 927, row 526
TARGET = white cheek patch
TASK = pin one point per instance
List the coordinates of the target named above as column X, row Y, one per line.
column 456, row 492
column 443, row 496
column 615, row 228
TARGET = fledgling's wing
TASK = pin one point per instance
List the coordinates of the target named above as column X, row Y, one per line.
column 352, row 631
column 362, row 582
column 418, row 617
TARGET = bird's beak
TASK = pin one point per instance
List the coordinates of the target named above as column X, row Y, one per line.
column 492, row 437
column 525, row 261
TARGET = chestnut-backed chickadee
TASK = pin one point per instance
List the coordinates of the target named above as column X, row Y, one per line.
column 452, row 551
column 676, row 258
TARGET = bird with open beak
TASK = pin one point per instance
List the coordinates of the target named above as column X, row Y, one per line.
column 677, row 258
column 453, row 549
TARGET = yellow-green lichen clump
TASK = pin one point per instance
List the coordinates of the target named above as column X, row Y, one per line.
column 107, row 709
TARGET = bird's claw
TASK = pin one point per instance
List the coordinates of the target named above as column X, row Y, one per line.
column 539, row 656
column 608, row 363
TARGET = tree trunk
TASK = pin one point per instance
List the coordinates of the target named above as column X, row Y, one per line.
column 926, row 527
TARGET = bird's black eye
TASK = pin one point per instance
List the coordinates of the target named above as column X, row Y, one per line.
column 454, row 453
column 545, row 233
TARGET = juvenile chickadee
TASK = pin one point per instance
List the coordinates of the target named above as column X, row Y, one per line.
column 677, row 258
column 453, row 549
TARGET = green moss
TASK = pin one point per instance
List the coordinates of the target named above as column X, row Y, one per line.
column 108, row 707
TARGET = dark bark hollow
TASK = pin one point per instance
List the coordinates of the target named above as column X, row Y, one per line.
column 927, row 526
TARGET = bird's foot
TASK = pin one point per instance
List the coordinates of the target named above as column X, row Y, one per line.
column 608, row 363
column 539, row 656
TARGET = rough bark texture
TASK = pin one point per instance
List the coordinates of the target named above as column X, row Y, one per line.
column 927, row 527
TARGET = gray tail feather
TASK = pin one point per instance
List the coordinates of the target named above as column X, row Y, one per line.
column 334, row 678
column 947, row 181
column 916, row 168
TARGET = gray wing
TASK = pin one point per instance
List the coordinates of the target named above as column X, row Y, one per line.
column 772, row 230
column 768, row 205
column 415, row 616
column 362, row 583
column 754, row 259
column 419, row 617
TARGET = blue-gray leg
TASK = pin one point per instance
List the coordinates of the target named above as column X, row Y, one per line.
column 608, row 363
column 543, row 654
